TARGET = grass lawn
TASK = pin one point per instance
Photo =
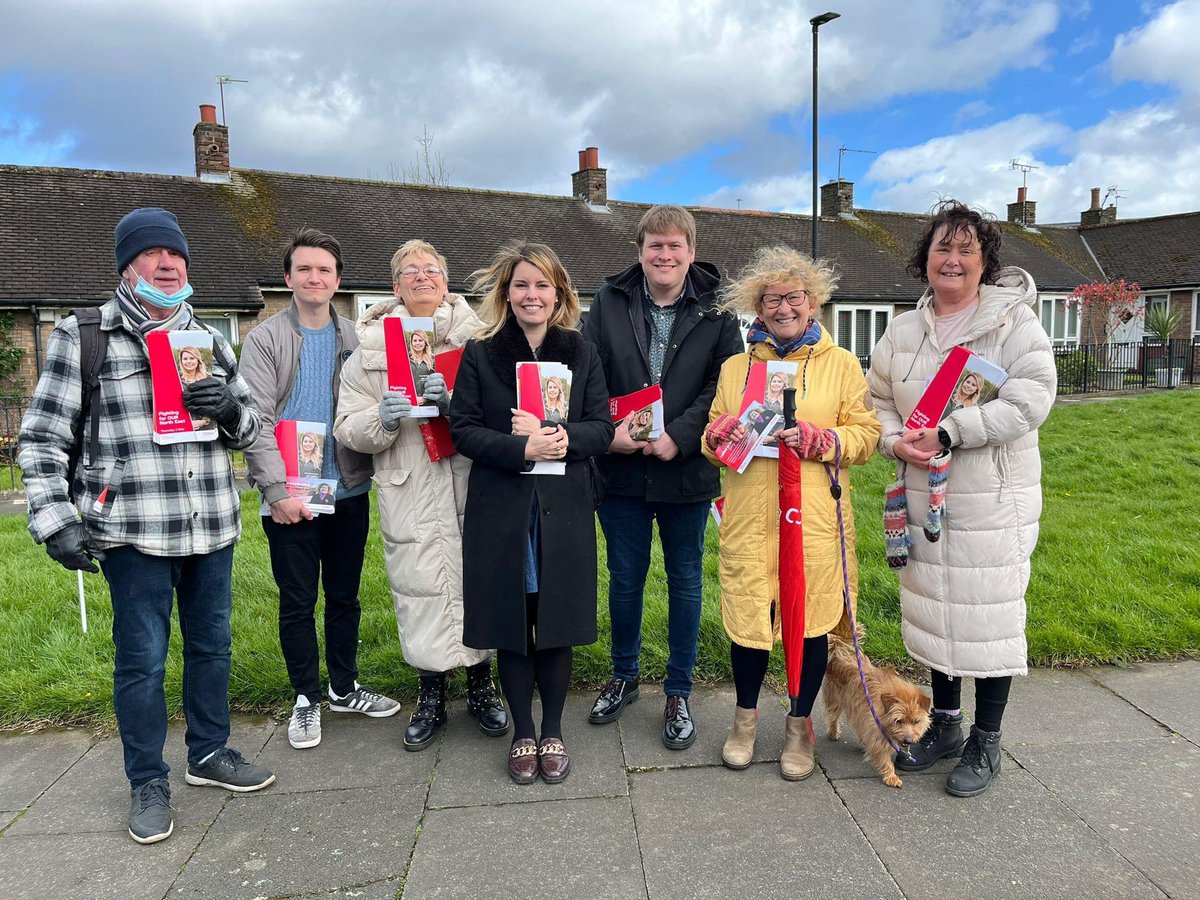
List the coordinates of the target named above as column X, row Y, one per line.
column 1116, row 577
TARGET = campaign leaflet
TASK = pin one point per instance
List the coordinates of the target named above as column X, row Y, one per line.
column 302, row 447
column 178, row 358
column 436, row 432
column 758, row 422
column 717, row 510
column 544, row 389
column 645, row 411
column 964, row 380
column 408, row 348
column 765, row 384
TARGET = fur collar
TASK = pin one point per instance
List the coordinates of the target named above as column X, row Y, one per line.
column 509, row 347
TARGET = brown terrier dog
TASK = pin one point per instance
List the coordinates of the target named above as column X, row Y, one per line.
column 902, row 707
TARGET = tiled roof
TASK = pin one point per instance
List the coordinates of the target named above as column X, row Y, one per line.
column 56, row 234
column 1157, row 253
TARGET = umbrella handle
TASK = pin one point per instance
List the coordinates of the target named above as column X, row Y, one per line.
column 789, row 407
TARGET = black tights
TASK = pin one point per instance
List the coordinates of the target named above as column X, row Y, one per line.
column 549, row 669
column 750, row 667
column 991, row 696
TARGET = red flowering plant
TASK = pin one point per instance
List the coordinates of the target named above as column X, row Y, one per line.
column 1106, row 305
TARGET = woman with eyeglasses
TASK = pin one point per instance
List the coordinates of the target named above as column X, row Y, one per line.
column 835, row 426
column 421, row 503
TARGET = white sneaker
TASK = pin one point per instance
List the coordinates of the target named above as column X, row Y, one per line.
column 304, row 728
column 366, row 701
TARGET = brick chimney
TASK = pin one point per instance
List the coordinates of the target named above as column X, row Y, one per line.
column 590, row 183
column 1023, row 212
column 212, row 146
column 837, row 198
column 1095, row 215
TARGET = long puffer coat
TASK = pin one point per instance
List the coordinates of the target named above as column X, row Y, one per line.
column 963, row 597
column 421, row 503
column 830, row 393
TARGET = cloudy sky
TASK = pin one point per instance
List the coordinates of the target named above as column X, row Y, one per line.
column 701, row 102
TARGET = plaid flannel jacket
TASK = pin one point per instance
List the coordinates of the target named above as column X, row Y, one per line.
column 164, row 500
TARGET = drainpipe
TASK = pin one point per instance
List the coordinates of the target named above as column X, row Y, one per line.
column 37, row 338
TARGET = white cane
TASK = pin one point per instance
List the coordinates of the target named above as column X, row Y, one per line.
column 82, row 597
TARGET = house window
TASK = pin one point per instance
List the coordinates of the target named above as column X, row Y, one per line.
column 1061, row 321
column 1196, row 314
column 363, row 302
column 225, row 324
column 859, row 328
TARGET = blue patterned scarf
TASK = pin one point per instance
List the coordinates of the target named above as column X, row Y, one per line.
column 758, row 334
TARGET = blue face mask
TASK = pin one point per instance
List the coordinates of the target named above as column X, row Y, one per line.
column 156, row 297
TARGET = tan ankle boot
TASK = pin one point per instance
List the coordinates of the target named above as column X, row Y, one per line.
column 796, row 762
column 739, row 746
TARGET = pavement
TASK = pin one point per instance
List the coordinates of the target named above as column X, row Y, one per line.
column 1097, row 797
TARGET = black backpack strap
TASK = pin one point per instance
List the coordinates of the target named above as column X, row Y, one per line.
column 93, row 347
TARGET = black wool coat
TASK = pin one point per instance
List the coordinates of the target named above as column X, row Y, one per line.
column 499, row 496
column 702, row 339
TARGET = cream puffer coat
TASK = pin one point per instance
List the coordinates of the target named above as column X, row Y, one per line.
column 963, row 597
column 830, row 393
column 420, row 502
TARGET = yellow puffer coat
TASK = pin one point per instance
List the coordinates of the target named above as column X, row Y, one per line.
column 830, row 392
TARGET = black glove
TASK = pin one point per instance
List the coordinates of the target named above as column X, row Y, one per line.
column 68, row 547
column 211, row 398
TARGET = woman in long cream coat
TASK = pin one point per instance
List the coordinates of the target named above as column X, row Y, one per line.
column 420, row 502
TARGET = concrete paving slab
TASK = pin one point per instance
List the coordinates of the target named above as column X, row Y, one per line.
column 1140, row 797
column 1060, row 706
column 1166, row 691
column 7, row 817
column 379, row 890
column 92, row 866
column 279, row 844
column 583, row 848
column 355, row 751
column 94, row 794
column 30, row 763
column 1015, row 841
column 472, row 768
column 718, row 834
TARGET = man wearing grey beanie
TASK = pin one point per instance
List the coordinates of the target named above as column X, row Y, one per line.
column 162, row 521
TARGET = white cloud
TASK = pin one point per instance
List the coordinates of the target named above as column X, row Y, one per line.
column 780, row 193
column 1163, row 50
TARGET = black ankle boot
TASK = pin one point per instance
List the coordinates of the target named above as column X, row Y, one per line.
column 943, row 738
column 980, row 764
column 483, row 702
column 430, row 714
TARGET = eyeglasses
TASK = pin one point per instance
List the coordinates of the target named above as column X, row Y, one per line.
column 431, row 270
column 794, row 299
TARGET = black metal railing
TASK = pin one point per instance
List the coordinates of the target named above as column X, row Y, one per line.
column 11, row 410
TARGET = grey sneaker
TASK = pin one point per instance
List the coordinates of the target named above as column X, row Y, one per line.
column 304, row 728
column 227, row 769
column 150, row 819
column 366, row 701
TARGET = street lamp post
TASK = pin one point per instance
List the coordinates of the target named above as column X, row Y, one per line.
column 816, row 22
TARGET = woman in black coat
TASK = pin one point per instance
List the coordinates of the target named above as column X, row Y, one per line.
column 529, row 541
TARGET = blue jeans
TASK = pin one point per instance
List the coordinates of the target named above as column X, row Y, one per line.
column 143, row 590
column 627, row 523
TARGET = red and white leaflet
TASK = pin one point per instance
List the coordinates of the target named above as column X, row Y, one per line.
column 532, row 379
column 717, row 508
column 177, row 357
column 757, row 421
column 646, row 407
column 765, row 383
column 301, row 446
column 965, row 379
column 407, row 345
column 436, row 432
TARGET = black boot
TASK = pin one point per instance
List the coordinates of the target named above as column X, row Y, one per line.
column 483, row 702
column 980, row 764
column 943, row 738
column 430, row 714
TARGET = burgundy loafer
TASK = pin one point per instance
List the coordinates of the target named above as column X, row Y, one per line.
column 553, row 760
column 523, row 761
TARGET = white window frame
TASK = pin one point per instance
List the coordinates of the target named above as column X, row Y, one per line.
column 853, row 309
column 1196, row 314
column 1074, row 317
column 363, row 302
column 235, row 336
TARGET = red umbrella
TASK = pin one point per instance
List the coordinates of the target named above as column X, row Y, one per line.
column 791, row 553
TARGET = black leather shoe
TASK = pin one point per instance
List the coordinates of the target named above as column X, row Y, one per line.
column 614, row 697
column 430, row 715
column 483, row 702
column 979, row 765
column 679, row 732
column 942, row 739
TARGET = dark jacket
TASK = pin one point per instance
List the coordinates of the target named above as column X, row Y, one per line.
column 702, row 339
column 499, row 496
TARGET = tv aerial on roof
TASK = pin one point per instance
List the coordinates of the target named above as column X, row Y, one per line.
column 223, row 80
column 1026, row 168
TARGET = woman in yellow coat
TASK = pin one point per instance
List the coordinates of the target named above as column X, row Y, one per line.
column 784, row 289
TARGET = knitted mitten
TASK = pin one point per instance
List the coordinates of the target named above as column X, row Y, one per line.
column 895, row 524
column 939, row 471
column 814, row 440
column 718, row 432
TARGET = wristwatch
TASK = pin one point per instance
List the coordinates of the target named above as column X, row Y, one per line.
column 944, row 437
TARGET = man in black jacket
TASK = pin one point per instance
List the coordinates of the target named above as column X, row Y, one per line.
column 658, row 323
